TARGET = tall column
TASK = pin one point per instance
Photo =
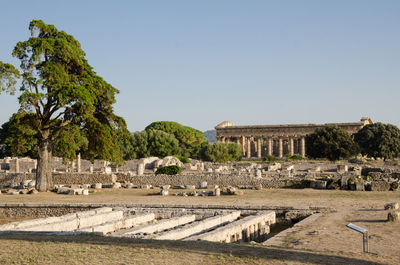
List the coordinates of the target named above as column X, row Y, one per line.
column 243, row 145
column 78, row 162
column 223, row 139
column 303, row 147
column 248, row 147
column 280, row 147
column 270, row 148
column 291, row 146
column 259, row 148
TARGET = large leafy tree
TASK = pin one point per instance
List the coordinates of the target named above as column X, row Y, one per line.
column 153, row 143
column 190, row 139
column 62, row 99
column 379, row 140
column 330, row 142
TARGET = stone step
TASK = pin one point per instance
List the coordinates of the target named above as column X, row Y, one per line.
column 98, row 219
column 160, row 225
column 110, row 227
column 243, row 229
column 197, row 227
column 48, row 220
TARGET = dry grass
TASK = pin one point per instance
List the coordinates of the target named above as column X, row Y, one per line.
column 44, row 249
column 325, row 241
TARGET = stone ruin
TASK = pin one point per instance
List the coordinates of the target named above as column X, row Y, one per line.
column 208, row 225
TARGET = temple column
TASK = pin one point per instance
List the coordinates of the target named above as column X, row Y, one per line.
column 78, row 163
column 270, row 148
column 223, row 139
column 248, row 147
column 280, row 147
column 291, row 146
column 259, row 148
column 303, row 147
column 243, row 145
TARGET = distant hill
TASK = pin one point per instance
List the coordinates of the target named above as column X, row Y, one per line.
column 211, row 136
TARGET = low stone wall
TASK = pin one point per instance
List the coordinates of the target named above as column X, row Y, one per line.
column 58, row 178
column 158, row 180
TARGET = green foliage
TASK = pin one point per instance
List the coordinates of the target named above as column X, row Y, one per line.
column 190, row 140
column 62, row 94
column 269, row 158
column 19, row 140
column 183, row 159
column 221, row 152
column 169, row 170
column 379, row 140
column 153, row 143
column 295, row 157
column 330, row 142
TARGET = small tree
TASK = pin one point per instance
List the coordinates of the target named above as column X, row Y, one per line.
column 62, row 99
column 330, row 142
column 379, row 140
column 222, row 152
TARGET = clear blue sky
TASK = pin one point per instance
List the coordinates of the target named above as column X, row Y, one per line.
column 250, row 62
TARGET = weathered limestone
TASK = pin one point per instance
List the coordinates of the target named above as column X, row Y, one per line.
column 161, row 225
column 198, row 227
column 109, row 227
column 392, row 206
column 246, row 229
column 289, row 137
column 394, row 216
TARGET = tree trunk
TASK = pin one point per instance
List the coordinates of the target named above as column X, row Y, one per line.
column 44, row 178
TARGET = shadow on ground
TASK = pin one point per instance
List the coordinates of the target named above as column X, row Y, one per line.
column 262, row 252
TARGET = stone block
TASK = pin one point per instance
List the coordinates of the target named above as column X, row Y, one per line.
column 165, row 187
column 164, row 192
column 379, row 186
column 161, row 225
column 318, row 184
column 85, row 192
column 344, row 183
column 392, row 206
column 198, row 227
column 138, row 220
column 360, row 186
column 393, row 216
column 116, row 185
column 217, row 192
column 342, row 168
column 190, row 187
column 202, row 185
column 93, row 220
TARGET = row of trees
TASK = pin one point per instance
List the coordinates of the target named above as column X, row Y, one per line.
column 374, row 140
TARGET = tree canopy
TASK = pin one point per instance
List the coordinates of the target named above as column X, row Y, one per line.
column 330, row 142
column 153, row 143
column 379, row 140
column 190, row 140
column 62, row 99
column 221, row 152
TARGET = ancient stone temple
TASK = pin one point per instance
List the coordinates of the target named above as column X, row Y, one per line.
column 279, row 140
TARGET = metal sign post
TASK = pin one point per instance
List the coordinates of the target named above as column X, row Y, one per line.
column 364, row 232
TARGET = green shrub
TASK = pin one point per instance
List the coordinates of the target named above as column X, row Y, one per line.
column 296, row 157
column 269, row 158
column 169, row 170
column 183, row 159
column 221, row 152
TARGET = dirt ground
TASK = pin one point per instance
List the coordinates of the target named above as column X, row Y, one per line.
column 326, row 236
